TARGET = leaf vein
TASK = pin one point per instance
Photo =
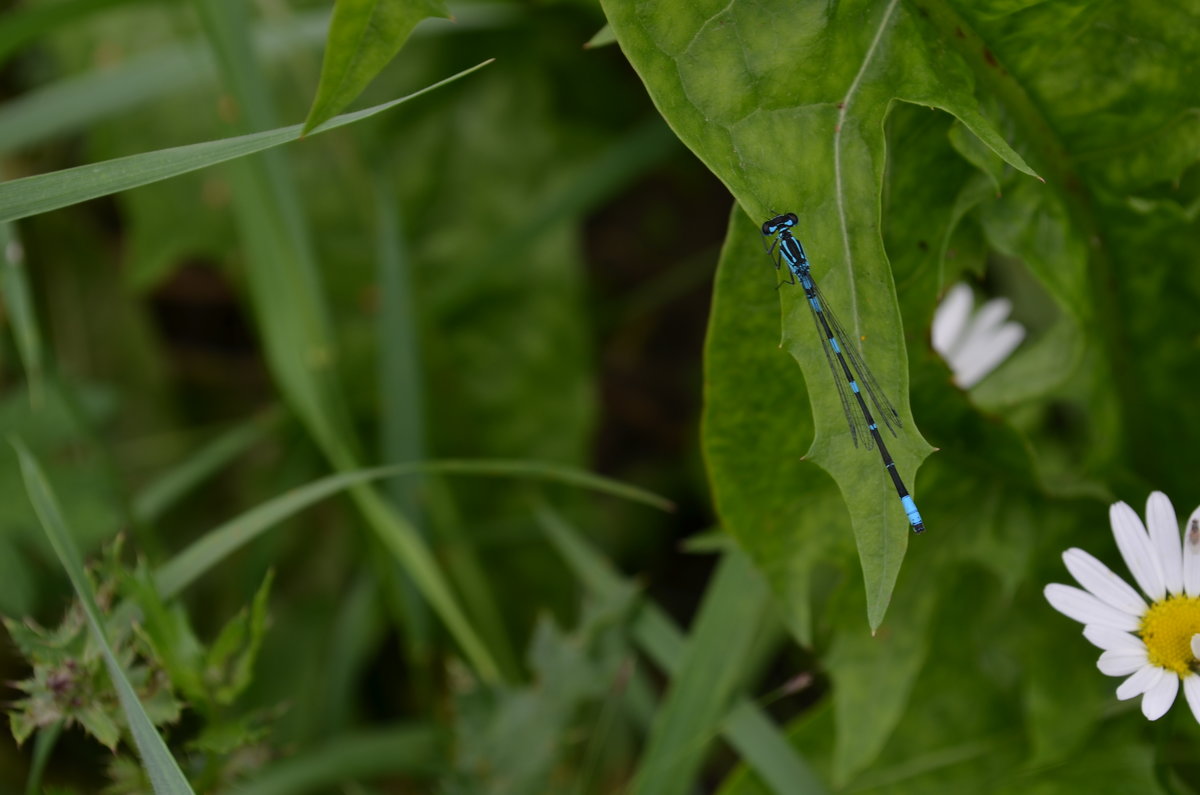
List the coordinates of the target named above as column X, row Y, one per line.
column 837, row 159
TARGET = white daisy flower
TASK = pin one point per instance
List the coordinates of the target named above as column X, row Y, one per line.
column 974, row 344
column 1154, row 642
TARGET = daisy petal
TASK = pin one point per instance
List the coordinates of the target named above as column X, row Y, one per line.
column 1122, row 663
column 1191, row 691
column 1111, row 639
column 1102, row 583
column 1140, row 682
column 1191, row 555
column 984, row 325
column 1160, row 697
column 1164, row 535
column 1137, row 550
column 1087, row 609
column 951, row 318
column 1196, row 646
column 988, row 355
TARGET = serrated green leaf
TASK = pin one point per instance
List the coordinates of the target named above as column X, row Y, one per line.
column 20, row 198
column 772, row 500
column 100, row 725
column 977, row 154
column 602, row 38
column 499, row 749
column 363, row 37
column 800, row 128
column 243, row 664
column 21, row 724
column 169, row 633
column 224, row 736
column 162, row 768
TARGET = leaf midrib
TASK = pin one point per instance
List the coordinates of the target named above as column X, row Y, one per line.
column 840, row 201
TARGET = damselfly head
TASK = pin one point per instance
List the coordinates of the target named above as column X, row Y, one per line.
column 773, row 225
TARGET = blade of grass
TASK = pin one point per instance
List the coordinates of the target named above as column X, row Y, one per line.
column 20, row 198
column 415, row 751
column 14, row 280
column 43, row 745
column 505, row 467
column 160, row 766
column 746, row 727
column 766, row 749
column 167, row 489
column 214, row 546
column 713, row 667
column 426, row 501
column 401, row 405
column 76, row 103
column 285, row 288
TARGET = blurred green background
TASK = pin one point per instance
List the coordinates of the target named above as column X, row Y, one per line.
column 531, row 274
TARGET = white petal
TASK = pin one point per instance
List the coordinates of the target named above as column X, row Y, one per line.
column 1111, row 639
column 1191, row 691
column 1121, row 663
column 951, row 318
column 1087, row 609
column 1164, row 534
column 1160, row 697
column 988, row 354
column 1191, row 554
column 1196, row 646
column 986, row 322
column 1140, row 682
column 1102, row 583
column 1137, row 550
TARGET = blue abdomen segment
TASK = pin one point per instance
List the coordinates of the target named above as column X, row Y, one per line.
column 914, row 516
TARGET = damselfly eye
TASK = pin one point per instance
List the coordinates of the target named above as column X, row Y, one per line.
column 772, row 225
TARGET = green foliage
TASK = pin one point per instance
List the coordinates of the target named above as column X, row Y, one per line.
column 363, row 37
column 157, row 760
column 835, row 99
column 167, row 665
column 70, row 684
column 269, row 368
column 519, row 739
column 714, row 665
column 31, row 195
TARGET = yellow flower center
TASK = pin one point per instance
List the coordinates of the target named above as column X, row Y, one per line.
column 1167, row 629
